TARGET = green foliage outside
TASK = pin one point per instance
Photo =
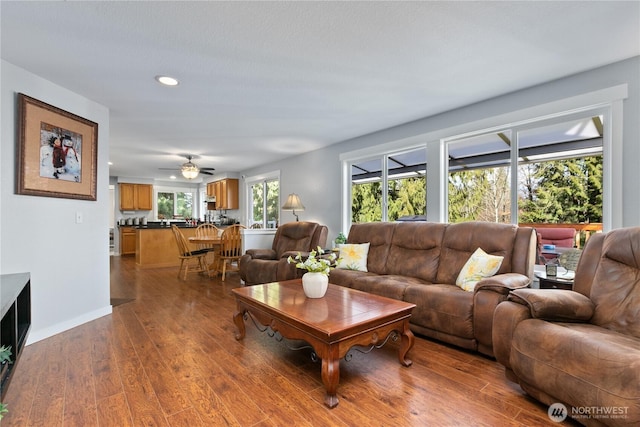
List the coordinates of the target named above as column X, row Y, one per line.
column 406, row 196
column 273, row 208
column 558, row 191
column 170, row 204
column 165, row 205
column 480, row 195
column 366, row 202
column 564, row 191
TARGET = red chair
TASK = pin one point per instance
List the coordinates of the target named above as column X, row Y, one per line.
column 557, row 236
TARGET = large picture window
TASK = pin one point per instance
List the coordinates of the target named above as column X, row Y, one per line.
column 549, row 164
column 395, row 191
column 558, row 177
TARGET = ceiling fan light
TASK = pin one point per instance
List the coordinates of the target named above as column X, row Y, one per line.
column 189, row 170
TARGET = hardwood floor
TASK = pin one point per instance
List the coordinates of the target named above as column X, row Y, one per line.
column 169, row 358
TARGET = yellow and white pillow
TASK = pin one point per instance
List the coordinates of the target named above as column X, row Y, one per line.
column 353, row 256
column 477, row 267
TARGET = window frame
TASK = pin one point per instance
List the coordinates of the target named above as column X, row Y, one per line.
column 263, row 179
column 607, row 102
column 175, row 190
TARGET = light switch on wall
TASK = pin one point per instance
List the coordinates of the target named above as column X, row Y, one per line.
column 78, row 217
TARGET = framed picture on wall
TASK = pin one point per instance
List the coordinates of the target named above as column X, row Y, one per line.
column 56, row 153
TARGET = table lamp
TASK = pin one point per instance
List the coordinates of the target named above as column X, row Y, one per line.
column 294, row 204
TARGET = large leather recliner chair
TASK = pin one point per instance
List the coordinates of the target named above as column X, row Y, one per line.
column 270, row 265
column 580, row 348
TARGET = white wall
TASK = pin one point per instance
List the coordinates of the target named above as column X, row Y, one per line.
column 316, row 176
column 68, row 262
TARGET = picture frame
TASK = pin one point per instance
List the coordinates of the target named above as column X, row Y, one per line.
column 56, row 153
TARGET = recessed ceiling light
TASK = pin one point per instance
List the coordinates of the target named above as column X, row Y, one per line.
column 167, row 81
column 172, row 177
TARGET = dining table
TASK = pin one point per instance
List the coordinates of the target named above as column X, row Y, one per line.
column 212, row 242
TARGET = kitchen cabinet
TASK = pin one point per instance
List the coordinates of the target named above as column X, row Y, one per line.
column 226, row 193
column 127, row 241
column 134, row 197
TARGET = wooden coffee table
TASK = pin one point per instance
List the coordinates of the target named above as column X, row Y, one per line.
column 332, row 325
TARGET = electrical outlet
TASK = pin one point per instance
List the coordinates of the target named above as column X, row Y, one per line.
column 78, row 217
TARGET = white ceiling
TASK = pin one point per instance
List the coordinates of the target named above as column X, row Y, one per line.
column 262, row 81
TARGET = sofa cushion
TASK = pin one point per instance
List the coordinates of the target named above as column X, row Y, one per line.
column 582, row 363
column 385, row 285
column 462, row 239
column 616, row 284
column 415, row 250
column 378, row 234
column 346, row 277
column 353, row 256
column 440, row 307
column 479, row 266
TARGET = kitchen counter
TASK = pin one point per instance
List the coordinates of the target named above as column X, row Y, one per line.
column 156, row 246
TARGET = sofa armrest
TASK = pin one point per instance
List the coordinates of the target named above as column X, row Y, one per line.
column 262, row 253
column 555, row 304
column 503, row 283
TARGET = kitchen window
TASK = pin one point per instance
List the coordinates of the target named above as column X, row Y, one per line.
column 172, row 205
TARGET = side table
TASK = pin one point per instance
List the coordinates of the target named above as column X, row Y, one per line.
column 556, row 283
column 564, row 279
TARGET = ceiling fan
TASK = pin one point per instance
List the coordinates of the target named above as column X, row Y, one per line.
column 190, row 170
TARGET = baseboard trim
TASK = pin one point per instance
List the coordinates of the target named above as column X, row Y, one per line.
column 38, row 335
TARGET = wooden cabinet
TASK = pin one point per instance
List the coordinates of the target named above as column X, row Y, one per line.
column 144, row 195
column 127, row 241
column 226, row 193
column 15, row 294
column 135, row 197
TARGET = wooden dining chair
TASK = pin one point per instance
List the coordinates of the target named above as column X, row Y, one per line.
column 208, row 230
column 230, row 248
column 188, row 257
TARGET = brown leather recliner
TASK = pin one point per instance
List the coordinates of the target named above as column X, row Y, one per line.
column 270, row 265
column 580, row 348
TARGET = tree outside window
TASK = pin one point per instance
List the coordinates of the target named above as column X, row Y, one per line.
column 406, row 189
column 175, row 205
column 259, row 203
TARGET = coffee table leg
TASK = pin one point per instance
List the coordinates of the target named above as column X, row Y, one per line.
column 407, row 340
column 330, row 379
column 238, row 319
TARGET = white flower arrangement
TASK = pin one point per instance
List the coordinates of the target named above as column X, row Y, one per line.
column 314, row 263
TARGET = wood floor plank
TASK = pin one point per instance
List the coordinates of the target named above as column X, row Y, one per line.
column 170, row 358
column 114, row 411
column 79, row 390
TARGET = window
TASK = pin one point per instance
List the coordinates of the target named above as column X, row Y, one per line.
column 558, row 175
column 403, row 195
column 602, row 110
column 264, row 202
column 479, row 180
column 174, row 205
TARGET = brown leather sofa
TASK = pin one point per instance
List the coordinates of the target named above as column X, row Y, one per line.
column 270, row 265
column 419, row 262
column 581, row 347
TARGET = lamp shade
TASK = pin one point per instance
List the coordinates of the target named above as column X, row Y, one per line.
column 294, row 204
column 189, row 170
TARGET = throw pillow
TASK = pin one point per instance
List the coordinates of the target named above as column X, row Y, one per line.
column 353, row 256
column 477, row 267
